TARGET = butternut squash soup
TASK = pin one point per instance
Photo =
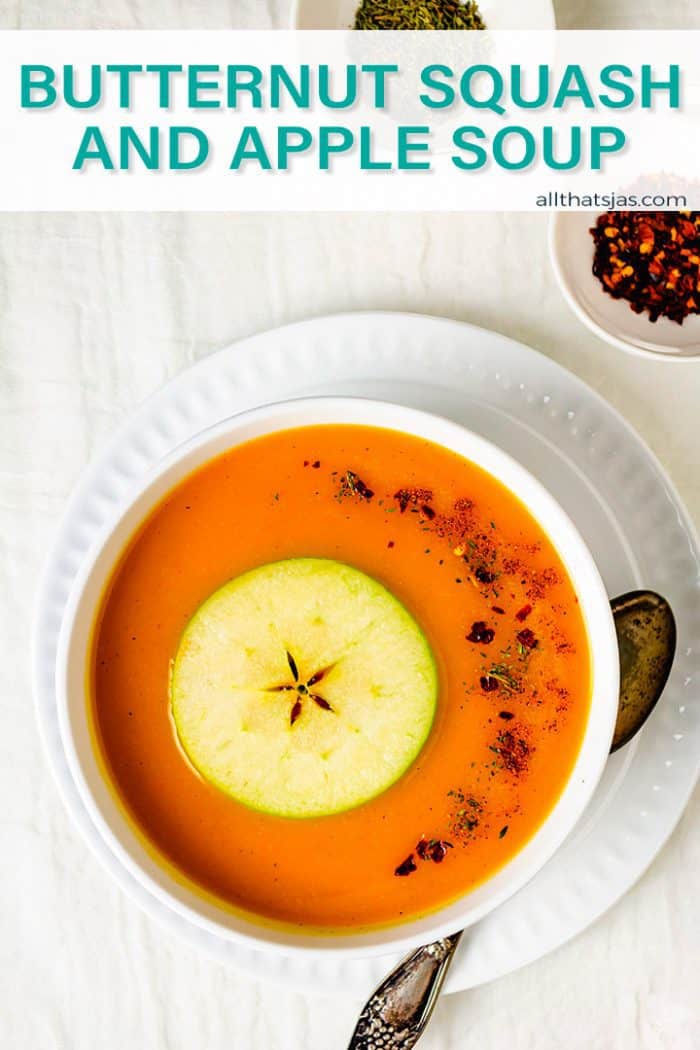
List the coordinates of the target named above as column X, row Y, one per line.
column 340, row 677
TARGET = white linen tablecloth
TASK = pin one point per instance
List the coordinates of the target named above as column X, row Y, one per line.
column 96, row 312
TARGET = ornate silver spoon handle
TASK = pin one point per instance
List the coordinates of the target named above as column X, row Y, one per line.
column 395, row 1016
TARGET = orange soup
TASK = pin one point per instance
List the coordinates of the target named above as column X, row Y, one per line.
column 488, row 592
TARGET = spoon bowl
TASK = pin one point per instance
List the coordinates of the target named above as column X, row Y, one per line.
column 646, row 634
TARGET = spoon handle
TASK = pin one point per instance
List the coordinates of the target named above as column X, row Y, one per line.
column 395, row 1016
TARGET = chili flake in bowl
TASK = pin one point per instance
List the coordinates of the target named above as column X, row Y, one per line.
column 651, row 259
column 624, row 276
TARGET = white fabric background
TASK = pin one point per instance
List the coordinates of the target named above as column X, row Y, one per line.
column 96, row 312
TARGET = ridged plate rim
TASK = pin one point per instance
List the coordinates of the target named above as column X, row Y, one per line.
column 352, row 353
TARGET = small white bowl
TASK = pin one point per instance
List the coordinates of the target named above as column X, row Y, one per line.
column 571, row 250
column 72, row 677
column 497, row 14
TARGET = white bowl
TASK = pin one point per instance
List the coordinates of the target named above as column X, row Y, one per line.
column 497, row 14
column 74, row 654
column 571, row 249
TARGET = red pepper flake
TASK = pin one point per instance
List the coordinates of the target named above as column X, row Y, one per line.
column 316, row 464
column 433, row 849
column 527, row 638
column 480, row 634
column 498, row 609
column 427, row 512
column 422, row 848
column 407, row 866
column 503, row 832
column 438, row 851
column 390, row 544
column 415, row 496
column 522, row 614
column 362, row 489
column 488, row 684
column 651, row 259
column 506, row 715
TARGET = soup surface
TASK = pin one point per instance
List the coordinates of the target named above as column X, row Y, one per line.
column 477, row 575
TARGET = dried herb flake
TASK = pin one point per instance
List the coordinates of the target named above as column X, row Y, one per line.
column 418, row 14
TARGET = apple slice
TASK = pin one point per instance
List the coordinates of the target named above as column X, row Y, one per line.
column 303, row 688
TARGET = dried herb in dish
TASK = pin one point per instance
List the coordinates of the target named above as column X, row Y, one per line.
column 651, row 259
column 418, row 14
column 353, row 485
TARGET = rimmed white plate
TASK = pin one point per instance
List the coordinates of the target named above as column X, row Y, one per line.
column 594, row 464
column 571, row 252
column 497, row 14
